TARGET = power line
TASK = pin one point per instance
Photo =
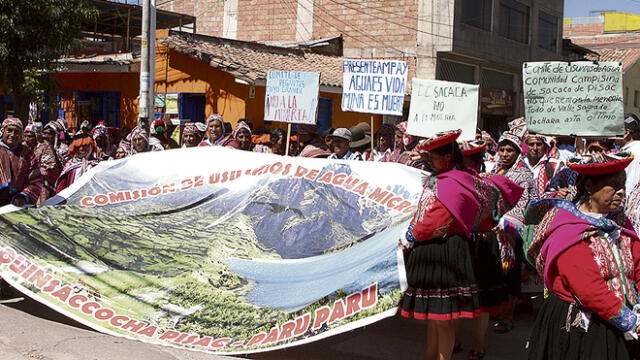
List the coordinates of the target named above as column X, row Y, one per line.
column 402, row 52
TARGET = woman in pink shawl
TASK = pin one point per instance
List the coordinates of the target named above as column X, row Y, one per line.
column 441, row 279
column 589, row 256
column 215, row 132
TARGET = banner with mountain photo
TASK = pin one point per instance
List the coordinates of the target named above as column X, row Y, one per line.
column 217, row 249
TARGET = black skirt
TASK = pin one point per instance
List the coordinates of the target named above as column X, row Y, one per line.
column 551, row 341
column 441, row 281
column 487, row 266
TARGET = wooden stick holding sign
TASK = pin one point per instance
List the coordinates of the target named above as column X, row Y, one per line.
column 286, row 150
column 372, row 141
column 292, row 97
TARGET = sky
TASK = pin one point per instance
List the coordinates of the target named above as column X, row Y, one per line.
column 578, row 8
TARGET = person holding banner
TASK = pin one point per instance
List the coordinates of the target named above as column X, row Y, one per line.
column 455, row 204
column 341, row 145
column 216, row 134
column 191, row 136
column 47, row 160
column 590, row 258
column 20, row 178
column 81, row 150
column 242, row 137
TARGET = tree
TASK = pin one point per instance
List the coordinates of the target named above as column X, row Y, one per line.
column 33, row 35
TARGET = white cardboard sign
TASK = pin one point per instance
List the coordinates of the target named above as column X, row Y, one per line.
column 438, row 106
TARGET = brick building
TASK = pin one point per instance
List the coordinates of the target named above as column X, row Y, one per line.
column 614, row 37
column 473, row 41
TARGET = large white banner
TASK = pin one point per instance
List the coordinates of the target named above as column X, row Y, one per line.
column 292, row 97
column 374, row 86
column 438, row 106
column 574, row 98
column 245, row 253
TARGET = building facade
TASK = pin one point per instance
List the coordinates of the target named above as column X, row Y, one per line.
column 474, row 41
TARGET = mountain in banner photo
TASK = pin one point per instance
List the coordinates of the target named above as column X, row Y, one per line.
column 299, row 218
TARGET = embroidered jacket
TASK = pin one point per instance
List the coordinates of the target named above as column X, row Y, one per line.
column 590, row 261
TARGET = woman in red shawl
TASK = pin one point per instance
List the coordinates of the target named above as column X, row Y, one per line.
column 48, row 161
column 455, row 203
column 590, row 258
column 81, row 150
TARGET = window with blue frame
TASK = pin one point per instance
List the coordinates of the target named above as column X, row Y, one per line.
column 100, row 106
column 325, row 113
column 191, row 106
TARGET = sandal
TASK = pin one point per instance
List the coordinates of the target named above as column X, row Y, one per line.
column 503, row 327
column 476, row 355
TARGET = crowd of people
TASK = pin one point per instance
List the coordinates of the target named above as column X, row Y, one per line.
column 525, row 213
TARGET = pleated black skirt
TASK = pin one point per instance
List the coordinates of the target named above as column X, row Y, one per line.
column 441, row 281
column 551, row 341
column 487, row 266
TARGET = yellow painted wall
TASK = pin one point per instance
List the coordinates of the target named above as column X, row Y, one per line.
column 183, row 74
column 614, row 21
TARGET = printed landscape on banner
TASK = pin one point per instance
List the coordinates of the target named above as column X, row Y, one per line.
column 249, row 253
column 438, row 106
column 573, row 98
column 374, row 86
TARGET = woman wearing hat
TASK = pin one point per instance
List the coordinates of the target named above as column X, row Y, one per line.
column 47, row 159
column 512, row 165
column 216, row 132
column 81, row 150
column 590, row 258
column 54, row 134
column 454, row 204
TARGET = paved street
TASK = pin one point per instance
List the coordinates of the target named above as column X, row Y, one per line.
column 32, row 331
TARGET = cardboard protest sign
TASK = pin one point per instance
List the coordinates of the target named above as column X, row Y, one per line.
column 576, row 98
column 374, row 86
column 438, row 106
column 292, row 97
column 246, row 253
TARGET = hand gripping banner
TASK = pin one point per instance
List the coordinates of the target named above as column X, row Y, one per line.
column 216, row 249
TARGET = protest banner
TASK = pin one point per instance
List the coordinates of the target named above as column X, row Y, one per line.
column 247, row 253
column 573, row 98
column 374, row 86
column 438, row 106
column 292, row 97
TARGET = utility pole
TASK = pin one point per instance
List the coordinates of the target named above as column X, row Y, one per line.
column 147, row 64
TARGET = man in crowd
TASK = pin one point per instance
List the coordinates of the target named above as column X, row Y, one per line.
column 544, row 167
column 341, row 145
column 20, row 178
column 631, row 141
